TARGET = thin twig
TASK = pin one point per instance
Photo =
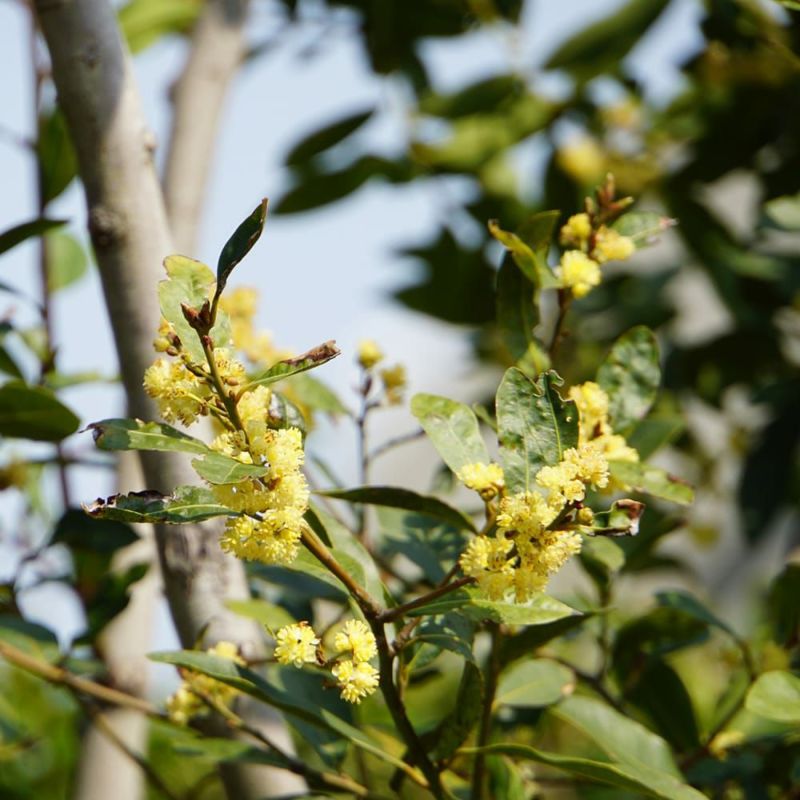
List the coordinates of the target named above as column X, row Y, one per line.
column 391, row 614
column 395, row 442
column 491, row 675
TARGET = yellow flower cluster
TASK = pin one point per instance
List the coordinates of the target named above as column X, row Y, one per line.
column 356, row 677
column 536, row 532
column 394, row 381
column 240, row 305
column 369, row 354
column 187, row 701
column 591, row 246
column 486, row 479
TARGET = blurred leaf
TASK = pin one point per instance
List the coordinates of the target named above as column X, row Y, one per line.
column 535, row 426
column 783, row 212
column 653, row 432
column 783, row 603
column 403, row 498
column 454, row 729
column 58, row 163
column 642, row 226
column 505, row 779
column 534, row 683
column 27, row 230
column 34, row 639
column 315, row 357
column 601, row 47
column 185, row 504
column 79, row 532
column 133, row 434
column 452, row 428
column 630, row 376
column 218, row 468
column 602, row 558
column 32, row 412
column 143, row 22
column 483, row 96
column 316, row 395
column 529, row 257
column 271, row 616
column 527, row 641
column 240, row 244
column 8, row 366
column 620, row 737
column 640, row 778
column 66, row 260
column 326, row 138
column 683, row 601
column 776, row 695
column 651, row 480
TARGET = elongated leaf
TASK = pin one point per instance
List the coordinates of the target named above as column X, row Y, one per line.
column 683, row 601
column 651, row 480
column 218, row 468
column 532, row 262
column 630, row 376
column 240, row 243
column 642, row 226
column 58, row 162
column 643, row 779
column 540, row 611
column 517, row 312
column 315, row 357
column 452, row 428
column 535, row 683
column 8, row 366
column 326, row 138
column 393, row 497
column 776, row 695
column 27, row 230
column 621, row 738
column 31, row 412
column 535, row 426
column 314, row 394
column 185, row 504
column 133, row 434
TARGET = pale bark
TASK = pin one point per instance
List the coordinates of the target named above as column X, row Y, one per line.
column 128, row 226
column 216, row 52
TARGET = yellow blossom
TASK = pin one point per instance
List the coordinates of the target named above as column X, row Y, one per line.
column 296, row 645
column 583, row 159
column 585, row 516
column 253, row 406
column 590, row 463
column 275, row 539
column 576, row 231
column 592, row 403
column 164, row 340
column 369, row 354
column 579, row 272
column 486, row 479
column 612, row 246
column 356, row 680
column 179, row 394
column 356, row 637
column 526, row 512
column 394, row 381
column 231, row 371
column 486, row 553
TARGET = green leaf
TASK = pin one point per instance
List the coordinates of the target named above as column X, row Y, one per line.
column 30, row 637
column 326, row 138
column 271, row 616
column 315, row 357
column 452, row 632
column 535, row 426
column 66, row 260
column 532, row 262
column 651, row 480
column 393, row 497
column 776, row 695
column 783, row 212
column 517, row 311
column 31, row 412
column 630, row 376
column 783, row 603
column 27, row 230
column 539, row 611
column 642, row 226
column 534, row 683
column 620, row 737
column 685, row 602
column 522, row 644
column 653, row 432
column 452, row 428
column 8, row 366
column 58, row 162
column 185, row 504
column 133, row 434
column 218, row 468
column 458, row 724
column 602, row 46
column 602, row 558
column 79, row 532
column 240, row 244
column 143, row 22
column 643, row 779
column 316, row 395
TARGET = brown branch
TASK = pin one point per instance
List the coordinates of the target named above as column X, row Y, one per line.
column 391, row 614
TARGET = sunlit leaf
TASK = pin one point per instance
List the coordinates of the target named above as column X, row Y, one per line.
column 133, row 434
column 185, row 504
column 776, row 695
column 651, row 480
column 315, row 357
column 218, row 468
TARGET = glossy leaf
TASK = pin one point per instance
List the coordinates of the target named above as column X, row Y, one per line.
column 27, row 230
column 315, row 357
column 240, row 244
column 651, row 480
column 776, row 695
column 133, row 434
column 453, row 429
column 218, row 468
column 535, row 426
column 185, row 504
column 534, row 683
column 31, row 412
column 326, row 138
column 630, row 376
column 392, row 497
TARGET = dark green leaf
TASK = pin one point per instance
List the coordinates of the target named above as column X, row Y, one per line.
column 326, row 138
column 452, row 428
column 218, row 468
column 80, row 532
column 8, row 366
column 685, row 602
column 451, row 632
column 393, row 497
column 58, row 163
column 458, row 724
column 66, row 260
column 315, row 357
column 27, row 230
column 535, row 426
column 783, row 602
column 651, row 480
column 186, row 504
column 31, row 412
column 240, row 244
column 630, row 376
column 534, row 683
column 481, row 97
column 776, row 695
column 133, row 434
column 517, row 312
